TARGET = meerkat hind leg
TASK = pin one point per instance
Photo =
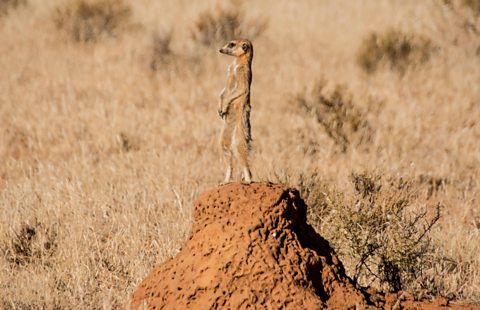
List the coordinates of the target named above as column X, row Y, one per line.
column 227, row 155
column 242, row 150
column 247, row 175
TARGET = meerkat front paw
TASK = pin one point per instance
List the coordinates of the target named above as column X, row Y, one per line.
column 222, row 113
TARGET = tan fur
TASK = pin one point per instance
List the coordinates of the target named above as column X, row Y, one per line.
column 234, row 108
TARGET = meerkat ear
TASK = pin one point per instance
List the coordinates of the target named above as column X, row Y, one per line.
column 245, row 47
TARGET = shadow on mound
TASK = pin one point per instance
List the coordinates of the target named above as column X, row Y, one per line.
column 251, row 246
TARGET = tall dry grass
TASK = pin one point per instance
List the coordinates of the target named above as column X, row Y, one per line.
column 102, row 157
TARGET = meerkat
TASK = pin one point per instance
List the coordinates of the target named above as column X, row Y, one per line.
column 234, row 108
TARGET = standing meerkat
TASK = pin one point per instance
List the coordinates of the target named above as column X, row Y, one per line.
column 234, row 108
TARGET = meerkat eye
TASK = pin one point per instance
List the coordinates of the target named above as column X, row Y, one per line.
column 231, row 45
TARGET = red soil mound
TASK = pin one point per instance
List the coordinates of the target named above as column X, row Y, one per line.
column 251, row 246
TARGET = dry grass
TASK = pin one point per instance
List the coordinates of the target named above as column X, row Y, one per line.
column 101, row 160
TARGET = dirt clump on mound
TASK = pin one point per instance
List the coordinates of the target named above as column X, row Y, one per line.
column 252, row 247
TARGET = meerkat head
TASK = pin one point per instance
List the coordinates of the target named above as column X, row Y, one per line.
column 238, row 48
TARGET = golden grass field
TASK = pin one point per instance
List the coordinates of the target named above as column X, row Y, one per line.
column 102, row 158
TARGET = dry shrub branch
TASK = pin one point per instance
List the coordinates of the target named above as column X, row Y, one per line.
column 393, row 49
column 343, row 121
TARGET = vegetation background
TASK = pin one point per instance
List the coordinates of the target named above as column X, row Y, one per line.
column 109, row 129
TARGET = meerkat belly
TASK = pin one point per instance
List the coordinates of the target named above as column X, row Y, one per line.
column 237, row 110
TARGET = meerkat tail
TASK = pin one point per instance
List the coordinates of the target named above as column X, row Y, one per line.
column 226, row 141
column 247, row 130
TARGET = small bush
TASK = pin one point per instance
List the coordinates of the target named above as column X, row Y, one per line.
column 341, row 120
column 394, row 49
column 92, row 20
column 169, row 63
column 7, row 5
column 473, row 5
column 34, row 242
column 468, row 12
column 128, row 143
column 383, row 240
column 18, row 143
column 162, row 54
column 433, row 184
column 212, row 28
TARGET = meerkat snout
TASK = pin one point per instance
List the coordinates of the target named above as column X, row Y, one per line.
column 227, row 48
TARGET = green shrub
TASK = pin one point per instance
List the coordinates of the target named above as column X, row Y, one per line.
column 92, row 20
column 381, row 236
column 394, row 49
column 217, row 27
